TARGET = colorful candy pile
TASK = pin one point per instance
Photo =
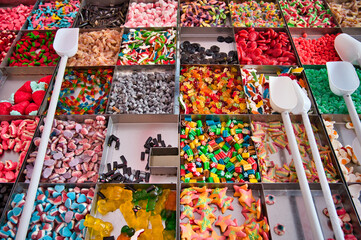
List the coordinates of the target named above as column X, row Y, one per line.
column 317, row 51
column 345, row 154
column 217, row 152
column 347, row 13
column 140, row 208
column 58, row 213
column 14, row 18
column 208, row 90
column 95, row 16
column 264, row 47
column 318, row 80
column 256, row 88
column 74, row 152
column 255, row 14
column 53, row 15
column 6, row 39
column 206, row 13
column 270, row 138
column 34, row 49
column 196, row 200
column 84, row 91
column 16, row 136
column 97, row 48
column 142, row 47
column 308, row 13
column 162, row 13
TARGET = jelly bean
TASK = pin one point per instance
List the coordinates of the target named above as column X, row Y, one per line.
column 162, row 13
column 94, row 86
column 142, row 47
column 15, row 17
column 308, row 13
column 95, row 16
column 317, row 51
column 223, row 94
column 6, row 39
column 34, row 49
column 347, row 13
column 53, row 15
column 97, row 48
column 226, row 146
column 318, row 80
column 74, row 151
column 206, row 13
column 267, row 47
column 255, row 14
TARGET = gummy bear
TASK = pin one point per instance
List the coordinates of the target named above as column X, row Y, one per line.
column 142, row 220
column 105, row 206
column 103, row 228
column 146, row 235
column 123, row 236
column 161, row 201
column 157, row 226
column 128, row 214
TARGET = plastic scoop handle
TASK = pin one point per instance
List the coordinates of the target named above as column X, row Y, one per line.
column 303, row 106
column 35, row 177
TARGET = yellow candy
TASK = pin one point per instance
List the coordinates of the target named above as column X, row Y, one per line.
column 245, row 155
column 247, row 167
column 221, row 167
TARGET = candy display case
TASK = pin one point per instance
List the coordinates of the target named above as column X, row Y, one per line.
column 315, row 46
column 156, row 211
column 135, row 134
column 276, row 161
column 136, row 90
column 288, row 197
column 343, row 11
column 89, row 17
column 164, row 121
column 10, row 12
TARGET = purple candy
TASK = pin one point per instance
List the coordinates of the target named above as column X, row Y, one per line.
column 58, row 155
column 49, row 162
column 74, row 162
column 68, row 134
column 68, row 216
column 47, row 172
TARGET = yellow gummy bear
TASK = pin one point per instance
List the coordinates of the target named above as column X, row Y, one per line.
column 143, row 219
column 157, row 226
column 105, row 206
column 146, row 235
column 128, row 214
column 98, row 225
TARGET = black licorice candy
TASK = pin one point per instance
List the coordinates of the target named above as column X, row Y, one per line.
column 142, row 156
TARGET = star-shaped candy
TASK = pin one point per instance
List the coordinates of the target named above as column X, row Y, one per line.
column 218, row 195
column 188, row 212
column 204, row 224
column 215, row 236
column 245, row 196
column 233, row 232
column 208, row 212
column 238, row 188
column 188, row 199
column 227, row 204
column 224, row 222
column 187, row 191
column 187, row 231
column 203, row 201
column 202, row 189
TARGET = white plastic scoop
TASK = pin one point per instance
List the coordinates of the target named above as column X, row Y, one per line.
column 344, row 81
column 66, row 45
column 303, row 106
column 283, row 99
column 348, row 48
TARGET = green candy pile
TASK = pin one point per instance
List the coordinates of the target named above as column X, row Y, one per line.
column 327, row 101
